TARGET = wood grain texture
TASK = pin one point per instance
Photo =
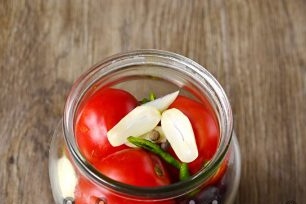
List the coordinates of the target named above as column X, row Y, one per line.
column 255, row 48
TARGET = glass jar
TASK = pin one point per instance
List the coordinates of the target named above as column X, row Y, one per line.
column 140, row 72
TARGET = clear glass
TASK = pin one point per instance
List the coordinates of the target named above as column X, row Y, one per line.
column 140, row 72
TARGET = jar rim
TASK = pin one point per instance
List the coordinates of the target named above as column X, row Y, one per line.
column 148, row 56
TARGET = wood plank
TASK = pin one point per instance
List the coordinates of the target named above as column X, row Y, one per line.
column 256, row 49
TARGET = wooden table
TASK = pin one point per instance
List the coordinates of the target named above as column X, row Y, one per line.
column 255, row 48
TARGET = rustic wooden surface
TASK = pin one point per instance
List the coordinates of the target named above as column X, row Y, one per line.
column 255, row 48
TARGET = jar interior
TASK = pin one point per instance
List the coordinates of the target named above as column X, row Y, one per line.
column 140, row 80
column 140, row 76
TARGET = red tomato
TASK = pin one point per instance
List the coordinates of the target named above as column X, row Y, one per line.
column 131, row 166
column 205, row 127
column 135, row 167
column 88, row 193
column 98, row 114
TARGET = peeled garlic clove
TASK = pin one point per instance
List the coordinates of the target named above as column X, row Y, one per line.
column 178, row 131
column 66, row 177
column 164, row 102
column 139, row 121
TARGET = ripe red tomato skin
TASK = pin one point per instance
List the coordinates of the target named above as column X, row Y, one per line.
column 98, row 114
column 205, row 127
column 131, row 166
column 88, row 193
column 135, row 167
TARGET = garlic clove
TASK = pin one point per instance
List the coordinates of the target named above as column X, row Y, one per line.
column 164, row 102
column 139, row 121
column 66, row 177
column 178, row 131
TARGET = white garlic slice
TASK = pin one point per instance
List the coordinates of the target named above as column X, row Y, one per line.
column 164, row 102
column 66, row 177
column 139, row 121
column 178, row 131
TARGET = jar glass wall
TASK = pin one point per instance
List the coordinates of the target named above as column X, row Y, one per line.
column 140, row 72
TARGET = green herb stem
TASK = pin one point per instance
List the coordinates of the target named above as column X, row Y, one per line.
column 156, row 149
column 152, row 96
column 184, row 172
